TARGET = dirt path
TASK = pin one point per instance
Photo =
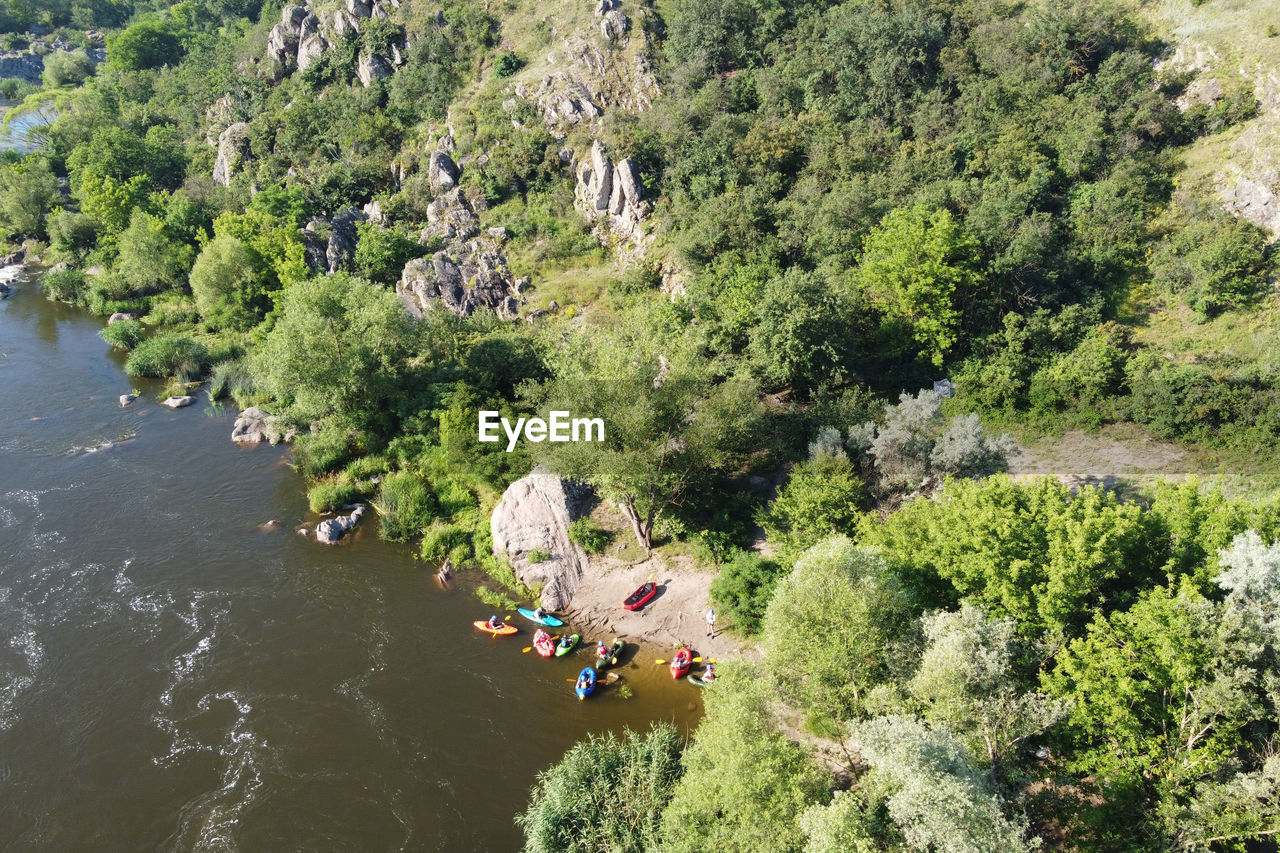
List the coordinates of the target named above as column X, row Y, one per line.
column 1109, row 458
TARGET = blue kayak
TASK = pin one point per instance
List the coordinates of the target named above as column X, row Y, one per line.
column 586, row 684
column 548, row 620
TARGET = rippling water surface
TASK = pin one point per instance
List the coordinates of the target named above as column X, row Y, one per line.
column 174, row 676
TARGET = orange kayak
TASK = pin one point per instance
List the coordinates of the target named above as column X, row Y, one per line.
column 503, row 631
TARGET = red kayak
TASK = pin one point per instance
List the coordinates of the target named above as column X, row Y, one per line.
column 641, row 596
column 543, row 643
column 680, row 664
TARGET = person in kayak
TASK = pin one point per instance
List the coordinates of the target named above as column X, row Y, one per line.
column 601, row 649
column 494, row 624
column 540, row 612
column 582, row 682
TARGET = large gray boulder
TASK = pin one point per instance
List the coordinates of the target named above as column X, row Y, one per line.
column 595, row 181
column 371, row 68
column 282, row 42
column 534, row 515
column 233, row 145
column 311, row 45
column 253, row 426
column 333, row 530
column 442, row 172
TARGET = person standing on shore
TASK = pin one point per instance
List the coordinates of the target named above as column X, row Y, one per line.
column 711, row 622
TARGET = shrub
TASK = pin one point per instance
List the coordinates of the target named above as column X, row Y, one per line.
column 168, row 355
column 507, row 65
column 1216, row 262
column 232, row 379
column 320, row 452
column 125, row 334
column 537, row 555
column 447, row 540
column 67, row 68
column 333, row 494
column 406, row 505
column 744, row 588
column 64, row 285
column 589, row 536
column 367, row 466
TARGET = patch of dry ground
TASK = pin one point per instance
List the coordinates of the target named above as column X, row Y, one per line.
column 1112, row 458
column 676, row 615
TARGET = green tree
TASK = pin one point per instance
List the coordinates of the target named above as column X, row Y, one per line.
column 969, row 683
column 1033, row 551
column 667, row 425
column 67, row 68
column 913, row 265
column 226, row 283
column 28, row 189
column 149, row 262
column 822, row 496
column 1163, row 694
column 744, row 587
column 940, row 801
column 745, row 783
column 833, row 627
column 145, row 44
column 382, row 253
column 607, row 793
column 337, row 348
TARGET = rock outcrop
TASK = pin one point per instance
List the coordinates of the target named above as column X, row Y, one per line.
column 612, row 197
column 178, row 402
column 470, row 272
column 233, row 145
column 333, row 530
column 331, row 244
column 534, row 515
column 371, row 68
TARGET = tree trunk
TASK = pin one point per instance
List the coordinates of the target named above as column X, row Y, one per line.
column 643, row 532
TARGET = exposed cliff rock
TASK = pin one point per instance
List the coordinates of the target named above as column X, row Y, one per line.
column 534, row 515
column 612, row 197
column 233, row 145
column 371, row 68
column 341, row 248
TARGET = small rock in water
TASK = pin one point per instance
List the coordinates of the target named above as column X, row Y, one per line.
column 302, row 531
column 119, row 317
column 127, row 399
column 178, row 402
column 331, row 531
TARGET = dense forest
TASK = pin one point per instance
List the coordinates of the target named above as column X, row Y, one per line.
column 818, row 210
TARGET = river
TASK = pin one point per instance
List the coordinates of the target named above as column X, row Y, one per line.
column 17, row 135
column 175, row 677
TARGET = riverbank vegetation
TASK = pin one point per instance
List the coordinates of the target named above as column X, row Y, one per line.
column 842, row 202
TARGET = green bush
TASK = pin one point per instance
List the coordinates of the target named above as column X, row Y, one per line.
column 537, row 555
column 507, row 65
column 67, row 68
column 744, row 588
column 318, row 453
column 367, row 466
column 232, row 379
column 332, row 494
column 1216, row 262
column 405, row 504
column 64, row 285
column 123, row 334
column 447, row 540
column 168, row 355
column 589, row 536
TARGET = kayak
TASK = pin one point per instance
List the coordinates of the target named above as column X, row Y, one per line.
column 543, row 643
column 586, row 683
column 502, row 631
column 616, row 651
column 699, row 680
column 610, row 656
column 548, row 620
column 641, row 596
column 680, row 663
column 567, row 644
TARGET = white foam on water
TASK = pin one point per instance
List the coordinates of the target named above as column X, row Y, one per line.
column 27, row 644
column 210, row 821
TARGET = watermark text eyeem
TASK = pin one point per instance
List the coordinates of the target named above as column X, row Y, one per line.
column 559, row 427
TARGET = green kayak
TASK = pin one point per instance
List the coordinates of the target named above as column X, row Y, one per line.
column 567, row 644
